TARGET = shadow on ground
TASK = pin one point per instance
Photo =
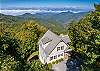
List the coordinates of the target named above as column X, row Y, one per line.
column 74, row 62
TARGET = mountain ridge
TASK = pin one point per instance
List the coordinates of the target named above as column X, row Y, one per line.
column 62, row 18
column 55, row 21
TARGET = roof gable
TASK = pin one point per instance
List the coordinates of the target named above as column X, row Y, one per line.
column 60, row 44
column 54, row 40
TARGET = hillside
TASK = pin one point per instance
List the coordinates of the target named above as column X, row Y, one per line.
column 9, row 19
column 19, row 36
column 17, row 43
column 85, row 40
column 60, row 18
column 53, row 21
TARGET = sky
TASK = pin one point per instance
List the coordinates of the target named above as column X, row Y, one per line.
column 48, row 3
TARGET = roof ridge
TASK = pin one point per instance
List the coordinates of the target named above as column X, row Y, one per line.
column 51, row 32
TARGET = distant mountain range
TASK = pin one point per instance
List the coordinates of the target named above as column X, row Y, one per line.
column 48, row 8
column 49, row 17
column 61, row 18
column 55, row 21
column 19, row 11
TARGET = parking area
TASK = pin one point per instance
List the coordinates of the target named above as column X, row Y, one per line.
column 60, row 66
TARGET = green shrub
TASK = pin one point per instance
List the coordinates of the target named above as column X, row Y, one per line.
column 50, row 66
column 57, row 61
column 53, row 62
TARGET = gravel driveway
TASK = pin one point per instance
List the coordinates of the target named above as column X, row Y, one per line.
column 68, row 65
column 60, row 66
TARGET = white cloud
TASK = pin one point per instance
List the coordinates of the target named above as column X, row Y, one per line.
column 20, row 12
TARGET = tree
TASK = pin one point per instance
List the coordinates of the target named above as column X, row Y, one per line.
column 97, row 7
column 17, row 43
column 84, row 37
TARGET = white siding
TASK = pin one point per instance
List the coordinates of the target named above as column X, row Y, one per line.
column 42, row 55
column 46, row 45
column 55, row 52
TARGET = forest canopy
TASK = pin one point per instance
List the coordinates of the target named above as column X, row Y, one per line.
column 85, row 39
column 19, row 38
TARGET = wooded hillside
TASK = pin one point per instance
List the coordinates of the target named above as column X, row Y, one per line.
column 19, row 41
column 85, row 40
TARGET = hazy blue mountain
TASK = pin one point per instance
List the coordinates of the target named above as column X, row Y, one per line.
column 67, row 17
column 49, row 9
column 60, row 18
column 10, row 19
column 37, row 15
column 55, row 21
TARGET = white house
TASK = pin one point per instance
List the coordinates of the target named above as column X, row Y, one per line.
column 53, row 47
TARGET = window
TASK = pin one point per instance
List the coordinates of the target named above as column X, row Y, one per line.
column 62, row 54
column 62, row 47
column 55, row 57
column 51, row 58
column 58, row 48
column 58, row 55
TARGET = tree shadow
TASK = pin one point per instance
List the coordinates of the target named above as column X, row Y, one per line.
column 12, row 49
column 74, row 62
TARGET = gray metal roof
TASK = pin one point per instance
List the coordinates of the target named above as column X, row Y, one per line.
column 48, row 36
column 46, row 40
column 53, row 39
column 51, row 46
column 66, row 39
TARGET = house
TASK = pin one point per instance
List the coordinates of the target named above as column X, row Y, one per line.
column 53, row 47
